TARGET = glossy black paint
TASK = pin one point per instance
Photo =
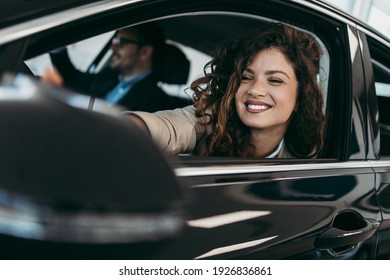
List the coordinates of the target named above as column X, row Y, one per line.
column 299, row 209
column 383, row 189
column 62, row 163
column 332, row 208
column 373, row 134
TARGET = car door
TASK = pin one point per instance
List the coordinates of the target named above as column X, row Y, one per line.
column 319, row 209
column 277, row 210
column 323, row 208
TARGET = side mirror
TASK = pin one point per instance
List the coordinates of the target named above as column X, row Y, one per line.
column 72, row 175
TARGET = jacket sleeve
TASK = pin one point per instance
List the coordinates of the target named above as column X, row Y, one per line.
column 175, row 131
column 73, row 78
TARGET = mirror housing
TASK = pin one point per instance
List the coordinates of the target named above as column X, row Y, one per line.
column 68, row 174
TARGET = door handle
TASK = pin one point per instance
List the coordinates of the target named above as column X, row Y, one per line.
column 335, row 237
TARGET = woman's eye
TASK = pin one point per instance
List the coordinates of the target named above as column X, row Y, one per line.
column 246, row 78
column 275, row 81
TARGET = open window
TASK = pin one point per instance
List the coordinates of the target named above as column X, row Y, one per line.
column 207, row 30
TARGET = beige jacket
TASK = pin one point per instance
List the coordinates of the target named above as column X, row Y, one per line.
column 178, row 131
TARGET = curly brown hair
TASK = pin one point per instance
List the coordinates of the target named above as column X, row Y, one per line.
column 214, row 92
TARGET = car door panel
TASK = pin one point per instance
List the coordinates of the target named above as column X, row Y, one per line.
column 377, row 72
column 382, row 169
column 279, row 214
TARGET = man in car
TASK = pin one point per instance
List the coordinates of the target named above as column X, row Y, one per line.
column 131, row 78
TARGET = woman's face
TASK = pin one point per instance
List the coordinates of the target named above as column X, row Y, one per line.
column 268, row 92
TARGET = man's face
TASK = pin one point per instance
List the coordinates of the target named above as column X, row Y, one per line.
column 125, row 52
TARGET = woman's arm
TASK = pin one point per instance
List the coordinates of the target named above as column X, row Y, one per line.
column 175, row 131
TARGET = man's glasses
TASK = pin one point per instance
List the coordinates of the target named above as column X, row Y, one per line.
column 120, row 41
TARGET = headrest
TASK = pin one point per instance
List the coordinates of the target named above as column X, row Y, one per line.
column 174, row 67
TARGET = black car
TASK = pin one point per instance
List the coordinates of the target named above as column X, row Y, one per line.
column 79, row 181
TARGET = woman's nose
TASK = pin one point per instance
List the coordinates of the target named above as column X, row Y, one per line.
column 258, row 89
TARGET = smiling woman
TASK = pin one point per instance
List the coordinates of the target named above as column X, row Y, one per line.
column 259, row 98
column 79, row 181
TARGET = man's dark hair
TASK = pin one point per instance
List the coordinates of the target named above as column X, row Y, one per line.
column 151, row 34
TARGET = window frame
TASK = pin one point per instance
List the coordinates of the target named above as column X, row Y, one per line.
column 334, row 35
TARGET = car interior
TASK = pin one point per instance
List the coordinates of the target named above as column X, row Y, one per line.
column 190, row 50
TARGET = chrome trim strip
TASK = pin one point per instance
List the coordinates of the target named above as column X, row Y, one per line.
column 36, row 25
column 380, row 163
column 266, row 168
column 373, row 35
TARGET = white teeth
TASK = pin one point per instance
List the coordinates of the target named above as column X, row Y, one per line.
column 257, row 107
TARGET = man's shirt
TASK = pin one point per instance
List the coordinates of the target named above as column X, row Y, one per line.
column 123, row 87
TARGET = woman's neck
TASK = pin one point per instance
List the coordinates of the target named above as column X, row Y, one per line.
column 266, row 141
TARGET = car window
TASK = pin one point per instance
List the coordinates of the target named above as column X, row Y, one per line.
column 382, row 88
column 81, row 53
column 84, row 53
column 198, row 60
column 220, row 33
column 197, row 47
column 381, row 70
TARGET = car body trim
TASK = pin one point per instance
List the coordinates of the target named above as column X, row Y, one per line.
column 267, row 168
column 27, row 28
column 380, row 163
column 374, row 35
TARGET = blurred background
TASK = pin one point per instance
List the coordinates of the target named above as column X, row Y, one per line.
column 375, row 13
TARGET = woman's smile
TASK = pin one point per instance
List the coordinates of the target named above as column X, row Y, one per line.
column 256, row 106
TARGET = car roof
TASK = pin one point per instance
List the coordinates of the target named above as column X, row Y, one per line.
column 15, row 11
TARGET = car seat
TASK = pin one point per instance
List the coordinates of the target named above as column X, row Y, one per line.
column 173, row 69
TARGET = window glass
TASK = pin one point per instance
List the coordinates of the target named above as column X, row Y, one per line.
column 81, row 53
column 197, row 46
column 198, row 60
column 39, row 63
column 382, row 87
column 373, row 12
